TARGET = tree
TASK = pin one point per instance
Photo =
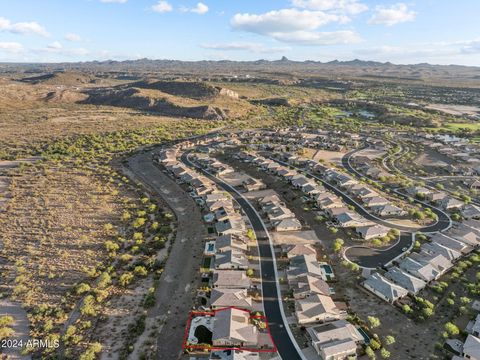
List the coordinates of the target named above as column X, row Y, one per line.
column 82, row 288
column 91, row 352
column 389, row 340
column 104, row 280
column 88, row 307
column 338, row 244
column 333, row 229
column 140, row 221
column 111, row 246
column 373, row 321
column 140, row 271
column 456, row 217
column 385, row 353
column 250, row 272
column 375, row 344
column 251, row 234
column 6, row 322
column 427, row 312
column 451, row 328
column 125, row 279
column 370, row 353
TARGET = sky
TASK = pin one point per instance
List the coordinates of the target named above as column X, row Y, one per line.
column 433, row 31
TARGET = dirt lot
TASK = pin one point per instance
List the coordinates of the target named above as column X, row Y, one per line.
column 334, row 157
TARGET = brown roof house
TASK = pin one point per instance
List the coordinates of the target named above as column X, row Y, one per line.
column 232, row 327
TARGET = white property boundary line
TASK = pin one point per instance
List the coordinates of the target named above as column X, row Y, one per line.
column 279, row 294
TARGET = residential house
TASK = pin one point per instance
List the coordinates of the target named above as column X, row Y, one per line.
column 376, row 201
column 216, row 197
column 231, row 259
column 329, row 201
column 350, row 219
column 337, row 340
column 299, row 249
column 384, row 288
column 308, row 285
column 291, row 224
column 317, row 308
column 229, row 242
column 221, row 204
column 373, row 231
column 388, row 210
column 450, row 203
column 251, row 184
column 232, row 328
column 440, row 262
column 436, row 196
column 419, row 191
column 471, row 348
column 466, row 235
column 234, row 355
column 436, row 248
column 451, row 243
column 471, row 211
column 225, row 297
column 333, row 212
column 405, row 280
column 420, row 269
column 233, row 279
column 299, row 181
column 233, row 226
column 304, row 265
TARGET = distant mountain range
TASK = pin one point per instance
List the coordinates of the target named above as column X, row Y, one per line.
column 452, row 75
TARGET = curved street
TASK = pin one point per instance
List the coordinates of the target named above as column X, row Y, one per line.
column 283, row 338
column 372, row 257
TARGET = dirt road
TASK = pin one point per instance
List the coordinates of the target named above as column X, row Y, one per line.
column 178, row 281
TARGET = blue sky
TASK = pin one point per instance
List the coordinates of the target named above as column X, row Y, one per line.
column 434, row 31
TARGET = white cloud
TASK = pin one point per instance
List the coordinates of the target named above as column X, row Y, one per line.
column 350, row 7
column 432, row 52
column 57, row 49
column 319, row 38
column 200, row 8
column 245, row 46
column 73, row 37
column 295, row 26
column 391, row 15
column 55, row 45
column 23, row 28
column 162, row 7
column 284, row 20
column 471, row 47
column 114, row 1
column 11, row 47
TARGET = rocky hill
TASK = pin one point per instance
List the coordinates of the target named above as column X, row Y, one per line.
column 159, row 102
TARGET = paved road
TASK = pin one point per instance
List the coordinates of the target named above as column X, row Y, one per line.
column 372, row 258
column 177, row 283
column 286, row 345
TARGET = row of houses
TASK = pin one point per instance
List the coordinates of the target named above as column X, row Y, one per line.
column 435, row 258
column 231, row 291
column 326, row 201
column 436, row 197
column 331, row 335
column 327, row 140
column 371, row 199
